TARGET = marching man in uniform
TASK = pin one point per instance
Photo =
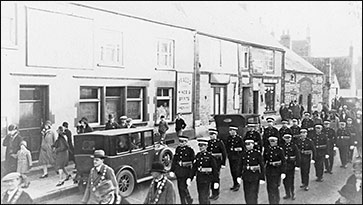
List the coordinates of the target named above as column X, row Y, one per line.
column 205, row 168
column 321, row 145
column 275, row 162
column 295, row 130
column 344, row 143
column 282, row 131
column 234, row 148
column 254, row 135
column 252, row 170
column 182, row 167
column 218, row 150
column 332, row 140
column 270, row 130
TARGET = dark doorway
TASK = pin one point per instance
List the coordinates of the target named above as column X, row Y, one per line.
column 245, row 99
column 300, row 99
column 255, row 102
column 309, row 103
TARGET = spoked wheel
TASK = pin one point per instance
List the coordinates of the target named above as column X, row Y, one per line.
column 126, row 183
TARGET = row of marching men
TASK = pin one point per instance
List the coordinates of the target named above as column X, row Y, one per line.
column 254, row 160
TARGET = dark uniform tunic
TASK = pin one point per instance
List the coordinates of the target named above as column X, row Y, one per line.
column 205, row 167
column 182, row 167
column 218, row 150
column 256, row 137
column 234, row 148
column 307, row 150
column 295, row 132
column 353, row 135
column 275, row 161
column 269, row 131
column 292, row 156
column 308, row 123
column 332, row 140
column 252, row 170
column 344, row 140
column 282, row 131
column 321, row 145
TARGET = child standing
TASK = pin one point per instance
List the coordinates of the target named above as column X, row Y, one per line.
column 24, row 161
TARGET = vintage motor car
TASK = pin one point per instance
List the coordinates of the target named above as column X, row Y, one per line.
column 130, row 152
column 239, row 120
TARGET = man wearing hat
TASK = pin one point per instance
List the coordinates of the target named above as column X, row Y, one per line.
column 308, row 152
column 218, row 150
column 254, row 135
column 251, row 170
column 270, row 130
column 275, row 161
column 12, row 144
column 332, row 140
column 100, row 172
column 182, row 167
column 307, row 123
column 234, row 147
column 282, row 131
column 205, row 168
column 321, row 145
column 111, row 123
column 344, row 142
column 161, row 189
column 353, row 134
column 295, row 130
column 292, row 156
column 13, row 194
column 123, row 121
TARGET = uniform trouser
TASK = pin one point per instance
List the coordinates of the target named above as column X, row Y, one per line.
column 251, row 191
column 203, row 191
column 319, row 166
column 330, row 161
column 305, row 168
column 343, row 152
column 183, row 190
column 350, row 155
column 233, row 164
column 273, row 183
column 289, row 182
column 215, row 192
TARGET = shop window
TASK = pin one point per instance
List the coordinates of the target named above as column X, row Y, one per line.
column 134, row 103
column 165, row 53
column 164, row 102
column 114, row 102
column 90, row 104
column 270, row 97
column 243, row 57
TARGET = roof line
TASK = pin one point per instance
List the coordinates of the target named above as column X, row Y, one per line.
column 295, row 71
column 180, row 27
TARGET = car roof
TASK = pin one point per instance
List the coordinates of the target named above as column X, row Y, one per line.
column 116, row 132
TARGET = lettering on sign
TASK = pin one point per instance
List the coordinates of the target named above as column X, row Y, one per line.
column 184, row 93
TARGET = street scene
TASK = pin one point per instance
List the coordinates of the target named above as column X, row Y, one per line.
column 181, row 102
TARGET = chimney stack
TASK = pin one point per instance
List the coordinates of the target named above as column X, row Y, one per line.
column 285, row 39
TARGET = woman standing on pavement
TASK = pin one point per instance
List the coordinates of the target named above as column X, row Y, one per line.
column 46, row 156
column 61, row 160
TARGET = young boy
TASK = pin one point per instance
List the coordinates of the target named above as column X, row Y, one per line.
column 163, row 127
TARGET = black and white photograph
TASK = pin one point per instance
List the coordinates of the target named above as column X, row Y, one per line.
column 181, row 102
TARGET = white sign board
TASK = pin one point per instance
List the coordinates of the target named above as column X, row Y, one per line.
column 184, row 92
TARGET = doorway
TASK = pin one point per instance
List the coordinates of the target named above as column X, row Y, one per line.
column 255, row 102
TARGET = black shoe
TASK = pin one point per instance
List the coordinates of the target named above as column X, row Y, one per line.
column 302, row 186
column 293, row 197
column 326, row 171
column 44, row 176
column 214, row 197
column 306, row 188
column 232, row 187
column 319, row 180
column 60, row 183
column 236, row 188
column 286, row 197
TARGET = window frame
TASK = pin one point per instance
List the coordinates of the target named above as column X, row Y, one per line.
column 222, row 99
column 169, row 54
column 98, row 100
column 117, row 44
column 243, row 57
column 169, row 98
column 140, row 99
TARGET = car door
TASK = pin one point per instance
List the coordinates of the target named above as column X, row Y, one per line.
column 137, row 154
column 149, row 150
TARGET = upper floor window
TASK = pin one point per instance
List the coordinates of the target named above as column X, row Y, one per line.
column 165, row 53
column 111, row 48
column 243, row 57
column 8, row 25
column 262, row 61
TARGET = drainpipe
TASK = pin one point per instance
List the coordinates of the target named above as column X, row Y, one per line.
column 196, row 81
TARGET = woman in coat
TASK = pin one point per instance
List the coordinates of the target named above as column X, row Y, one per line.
column 46, row 156
column 61, row 159
column 12, row 144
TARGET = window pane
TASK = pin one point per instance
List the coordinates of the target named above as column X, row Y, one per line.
column 165, row 92
column 90, row 111
column 123, row 143
column 89, row 93
column 164, row 47
column 162, row 109
column 133, row 93
column 29, row 94
column 134, row 109
column 112, row 107
column 113, row 92
column 30, row 114
column 158, row 92
column 148, row 138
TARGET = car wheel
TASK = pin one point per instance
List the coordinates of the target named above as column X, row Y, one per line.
column 166, row 157
column 126, row 182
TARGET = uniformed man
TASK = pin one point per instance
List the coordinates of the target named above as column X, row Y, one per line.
column 321, row 145
column 234, row 148
column 344, row 143
column 307, row 123
column 252, row 171
column 332, row 140
column 254, row 135
column 307, row 150
column 218, row 150
column 182, row 167
column 205, row 168
column 283, row 130
column 353, row 134
column 295, row 130
column 275, row 161
column 270, row 130
column 292, row 156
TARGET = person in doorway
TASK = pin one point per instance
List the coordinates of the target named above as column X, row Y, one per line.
column 284, row 112
column 162, row 128
column 179, row 125
column 13, row 194
column 12, row 144
column 46, row 155
column 61, row 156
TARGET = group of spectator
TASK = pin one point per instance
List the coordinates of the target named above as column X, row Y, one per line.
column 294, row 110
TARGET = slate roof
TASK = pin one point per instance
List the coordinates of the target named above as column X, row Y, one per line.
column 294, row 62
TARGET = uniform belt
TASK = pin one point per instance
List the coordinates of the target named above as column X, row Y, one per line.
column 306, row 151
column 345, row 137
column 236, row 149
column 186, row 164
column 254, row 168
column 321, row 146
column 217, row 155
column 276, row 163
column 205, row 169
column 292, row 158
